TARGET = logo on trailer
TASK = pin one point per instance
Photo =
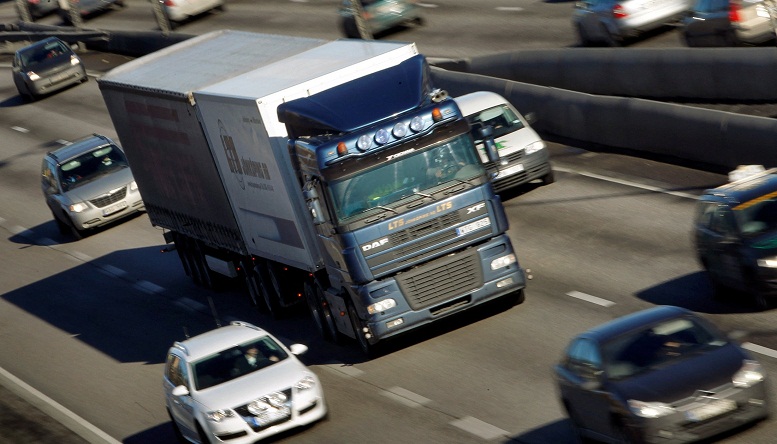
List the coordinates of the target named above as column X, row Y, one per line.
column 233, row 160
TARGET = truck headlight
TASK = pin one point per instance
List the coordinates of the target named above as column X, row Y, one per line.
column 219, row 415
column 78, row 207
column 650, row 409
column 381, row 306
column 534, row 147
column 768, row 262
column 503, row 261
column 749, row 374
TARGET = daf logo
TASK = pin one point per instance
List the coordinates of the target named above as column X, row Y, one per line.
column 476, row 208
column 376, row 244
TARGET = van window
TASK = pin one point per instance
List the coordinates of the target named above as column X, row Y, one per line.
column 501, row 118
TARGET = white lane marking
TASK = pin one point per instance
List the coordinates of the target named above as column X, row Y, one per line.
column 112, row 271
column 20, row 129
column 591, row 299
column 55, row 410
column 509, row 8
column 627, row 183
column 21, row 231
column 428, row 5
column 81, row 256
column 479, row 428
column 760, row 349
column 405, row 397
column 63, row 142
column 148, row 287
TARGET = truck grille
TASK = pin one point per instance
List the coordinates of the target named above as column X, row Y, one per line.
column 107, row 199
column 430, row 285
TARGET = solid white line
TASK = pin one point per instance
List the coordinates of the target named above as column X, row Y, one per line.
column 760, row 349
column 55, row 410
column 479, row 428
column 591, row 299
column 20, row 129
column 627, row 183
column 509, row 8
column 428, row 5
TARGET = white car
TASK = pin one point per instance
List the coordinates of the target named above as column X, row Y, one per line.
column 523, row 156
column 239, row 384
column 180, row 10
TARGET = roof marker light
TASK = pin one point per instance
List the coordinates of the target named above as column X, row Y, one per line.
column 417, row 124
column 436, row 115
column 382, row 136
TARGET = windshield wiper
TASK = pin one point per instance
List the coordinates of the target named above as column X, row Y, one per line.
column 386, row 208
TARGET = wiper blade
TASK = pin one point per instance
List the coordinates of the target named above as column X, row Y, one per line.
column 386, row 208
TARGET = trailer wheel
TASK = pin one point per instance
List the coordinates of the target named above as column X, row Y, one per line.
column 269, row 295
column 180, row 248
column 254, row 286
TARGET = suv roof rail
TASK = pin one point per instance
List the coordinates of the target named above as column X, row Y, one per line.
column 245, row 324
column 181, row 347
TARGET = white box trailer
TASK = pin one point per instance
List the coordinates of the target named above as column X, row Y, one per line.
column 223, row 94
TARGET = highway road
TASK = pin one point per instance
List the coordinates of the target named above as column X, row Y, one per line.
column 87, row 323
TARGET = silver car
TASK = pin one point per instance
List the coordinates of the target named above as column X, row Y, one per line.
column 88, row 184
column 46, row 66
column 613, row 22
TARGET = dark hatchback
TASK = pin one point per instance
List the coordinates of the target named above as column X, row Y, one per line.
column 46, row 66
column 735, row 232
column 661, row 375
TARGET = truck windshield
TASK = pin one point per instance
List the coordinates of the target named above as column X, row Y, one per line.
column 413, row 174
column 757, row 216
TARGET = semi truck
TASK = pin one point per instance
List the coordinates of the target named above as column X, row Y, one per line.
column 326, row 173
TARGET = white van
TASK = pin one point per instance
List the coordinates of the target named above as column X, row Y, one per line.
column 523, row 156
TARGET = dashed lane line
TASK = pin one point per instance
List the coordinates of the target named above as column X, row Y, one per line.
column 405, row 397
column 479, row 428
column 591, row 299
column 627, row 183
column 760, row 349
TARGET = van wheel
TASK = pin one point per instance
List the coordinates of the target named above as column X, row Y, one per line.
column 548, row 178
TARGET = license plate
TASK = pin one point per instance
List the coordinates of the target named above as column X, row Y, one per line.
column 114, row 208
column 474, row 226
column 511, row 170
column 712, row 409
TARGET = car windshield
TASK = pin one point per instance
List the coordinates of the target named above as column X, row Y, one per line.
column 237, row 361
column 501, row 118
column 658, row 346
column 413, row 174
column 758, row 215
column 38, row 54
column 90, row 166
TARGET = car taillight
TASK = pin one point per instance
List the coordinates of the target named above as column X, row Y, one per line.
column 169, row 3
column 733, row 12
column 618, row 12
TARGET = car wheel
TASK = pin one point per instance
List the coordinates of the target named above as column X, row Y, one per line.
column 74, row 231
column 582, row 36
column 548, row 178
column 204, row 439
column 574, row 423
column 62, row 226
column 625, row 434
column 176, row 429
column 610, row 39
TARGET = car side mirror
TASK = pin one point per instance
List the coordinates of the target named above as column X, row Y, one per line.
column 181, row 390
column 298, row 349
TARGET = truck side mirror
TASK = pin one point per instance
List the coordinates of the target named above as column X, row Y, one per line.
column 314, row 205
column 487, row 135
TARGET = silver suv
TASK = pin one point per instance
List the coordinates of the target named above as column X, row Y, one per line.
column 87, row 184
column 239, row 384
column 612, row 22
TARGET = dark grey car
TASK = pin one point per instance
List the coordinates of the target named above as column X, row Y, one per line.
column 727, row 23
column 661, row 375
column 46, row 66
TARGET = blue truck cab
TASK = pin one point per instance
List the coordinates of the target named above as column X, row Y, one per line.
column 411, row 226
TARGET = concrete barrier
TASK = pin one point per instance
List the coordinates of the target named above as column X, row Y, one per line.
column 717, row 139
column 731, row 74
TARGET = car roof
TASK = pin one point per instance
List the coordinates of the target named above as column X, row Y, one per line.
column 80, row 146
column 221, row 338
column 617, row 327
column 746, row 189
column 478, row 101
column 38, row 44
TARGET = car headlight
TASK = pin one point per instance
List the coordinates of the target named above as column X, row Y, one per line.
column 534, row 147
column 33, row 76
column 219, row 415
column 768, row 262
column 650, row 409
column 381, row 306
column 305, row 383
column 78, row 207
column 74, row 60
column 503, row 261
column 749, row 374
column 133, row 186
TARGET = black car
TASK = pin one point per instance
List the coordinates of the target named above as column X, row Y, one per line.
column 46, row 66
column 661, row 375
column 735, row 232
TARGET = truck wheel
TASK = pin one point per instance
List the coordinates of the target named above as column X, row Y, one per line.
column 319, row 310
column 254, row 287
column 180, row 249
column 269, row 295
column 315, row 309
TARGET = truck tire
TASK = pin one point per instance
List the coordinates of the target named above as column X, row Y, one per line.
column 180, row 248
column 254, row 286
column 320, row 312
